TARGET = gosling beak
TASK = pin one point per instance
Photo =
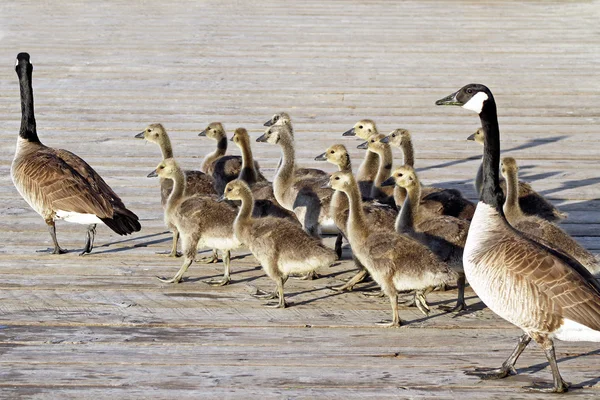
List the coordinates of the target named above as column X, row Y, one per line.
column 389, row 182
column 321, row 157
column 449, row 101
column 326, row 185
column 140, row 135
column 472, row 137
column 349, row 132
column 268, row 123
column 262, row 138
column 231, row 140
column 152, row 174
column 221, row 199
column 363, row 145
column 385, row 139
column 203, row 133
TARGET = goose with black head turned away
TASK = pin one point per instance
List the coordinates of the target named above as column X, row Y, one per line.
column 530, row 201
column 57, row 184
column 546, row 293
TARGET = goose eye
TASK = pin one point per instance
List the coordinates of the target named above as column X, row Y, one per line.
column 469, row 91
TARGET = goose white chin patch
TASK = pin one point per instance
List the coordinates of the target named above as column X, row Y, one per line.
column 476, row 102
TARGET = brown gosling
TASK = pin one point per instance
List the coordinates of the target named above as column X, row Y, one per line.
column 384, row 152
column 305, row 197
column 377, row 214
column 283, row 118
column 530, row 201
column 437, row 200
column 395, row 261
column 280, row 246
column 443, row 234
column 368, row 169
column 196, row 182
column 538, row 228
column 202, row 221
column 221, row 167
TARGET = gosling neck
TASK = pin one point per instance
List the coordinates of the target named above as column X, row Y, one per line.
column 245, row 212
column 178, row 189
column 28, row 129
column 165, row 146
column 511, row 208
column 368, row 168
column 215, row 155
column 479, row 180
column 357, row 227
column 285, row 174
column 383, row 172
column 406, row 220
column 248, row 173
column 339, row 201
column 408, row 152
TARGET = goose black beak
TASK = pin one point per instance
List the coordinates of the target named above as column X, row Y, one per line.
column 472, row 137
column 385, row 139
column 152, row 174
column 269, row 123
column 262, row 138
column 321, row 157
column 203, row 133
column 140, row 135
column 449, row 101
column 389, row 182
column 363, row 145
column 349, row 132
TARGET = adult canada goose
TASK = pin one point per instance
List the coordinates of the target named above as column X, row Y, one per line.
column 283, row 118
column 281, row 247
column 368, row 169
column 542, row 291
column 530, row 201
column 443, row 234
column 304, row 196
column 221, row 167
column 56, row 183
column 201, row 221
column 377, row 214
column 384, row 152
column 539, row 228
column 436, row 200
column 396, row 262
column 196, row 182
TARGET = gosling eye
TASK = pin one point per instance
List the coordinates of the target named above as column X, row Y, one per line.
column 337, row 178
column 393, row 135
column 400, row 175
column 331, row 152
column 360, row 127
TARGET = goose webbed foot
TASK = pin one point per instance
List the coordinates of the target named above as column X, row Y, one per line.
column 219, row 282
column 89, row 243
column 492, row 373
column 261, row 294
column 53, row 250
column 459, row 306
column 561, row 387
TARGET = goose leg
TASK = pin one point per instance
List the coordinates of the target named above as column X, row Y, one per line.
column 558, row 384
column 177, row 278
column 460, row 301
column 338, row 245
column 395, row 316
column 508, row 366
column 89, row 243
column 52, row 230
column 281, row 303
column 226, row 279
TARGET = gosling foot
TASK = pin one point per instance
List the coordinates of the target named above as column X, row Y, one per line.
column 208, row 260
column 548, row 387
column 389, row 324
column 175, row 279
column 261, row 294
column 374, row 293
column 279, row 304
column 218, row 282
column 169, row 253
column 312, row 275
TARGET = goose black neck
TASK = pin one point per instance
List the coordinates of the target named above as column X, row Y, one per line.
column 28, row 129
column 490, row 191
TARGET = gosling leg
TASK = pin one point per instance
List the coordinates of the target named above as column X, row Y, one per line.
column 338, row 245
column 395, row 316
column 177, row 278
column 359, row 277
column 281, row 303
column 226, row 279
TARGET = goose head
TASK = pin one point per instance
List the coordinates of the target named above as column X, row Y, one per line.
column 167, row 169
column 281, row 118
column 508, row 167
column 154, row 133
column 404, row 176
column 236, row 190
column 478, row 136
column 397, row 137
column 336, row 154
column 473, row 96
column 23, row 64
column 363, row 129
column 214, row 130
column 342, row 181
column 275, row 134
column 374, row 144
column 240, row 137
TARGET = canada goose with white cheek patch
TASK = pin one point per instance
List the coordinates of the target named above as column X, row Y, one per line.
column 544, row 292
column 57, row 184
column 530, row 201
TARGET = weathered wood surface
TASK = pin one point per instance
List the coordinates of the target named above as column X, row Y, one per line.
column 102, row 326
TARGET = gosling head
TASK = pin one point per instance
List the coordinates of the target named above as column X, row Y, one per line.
column 214, row 130
column 240, row 137
column 275, row 134
column 397, row 137
column 374, row 144
column 153, row 133
column 474, row 97
column 363, row 129
column 236, row 190
column 336, row 154
column 281, row 118
column 478, row 136
column 508, row 166
column 405, row 176
column 166, row 169
column 341, row 181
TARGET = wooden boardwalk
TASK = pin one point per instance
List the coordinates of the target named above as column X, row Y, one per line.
column 102, row 326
